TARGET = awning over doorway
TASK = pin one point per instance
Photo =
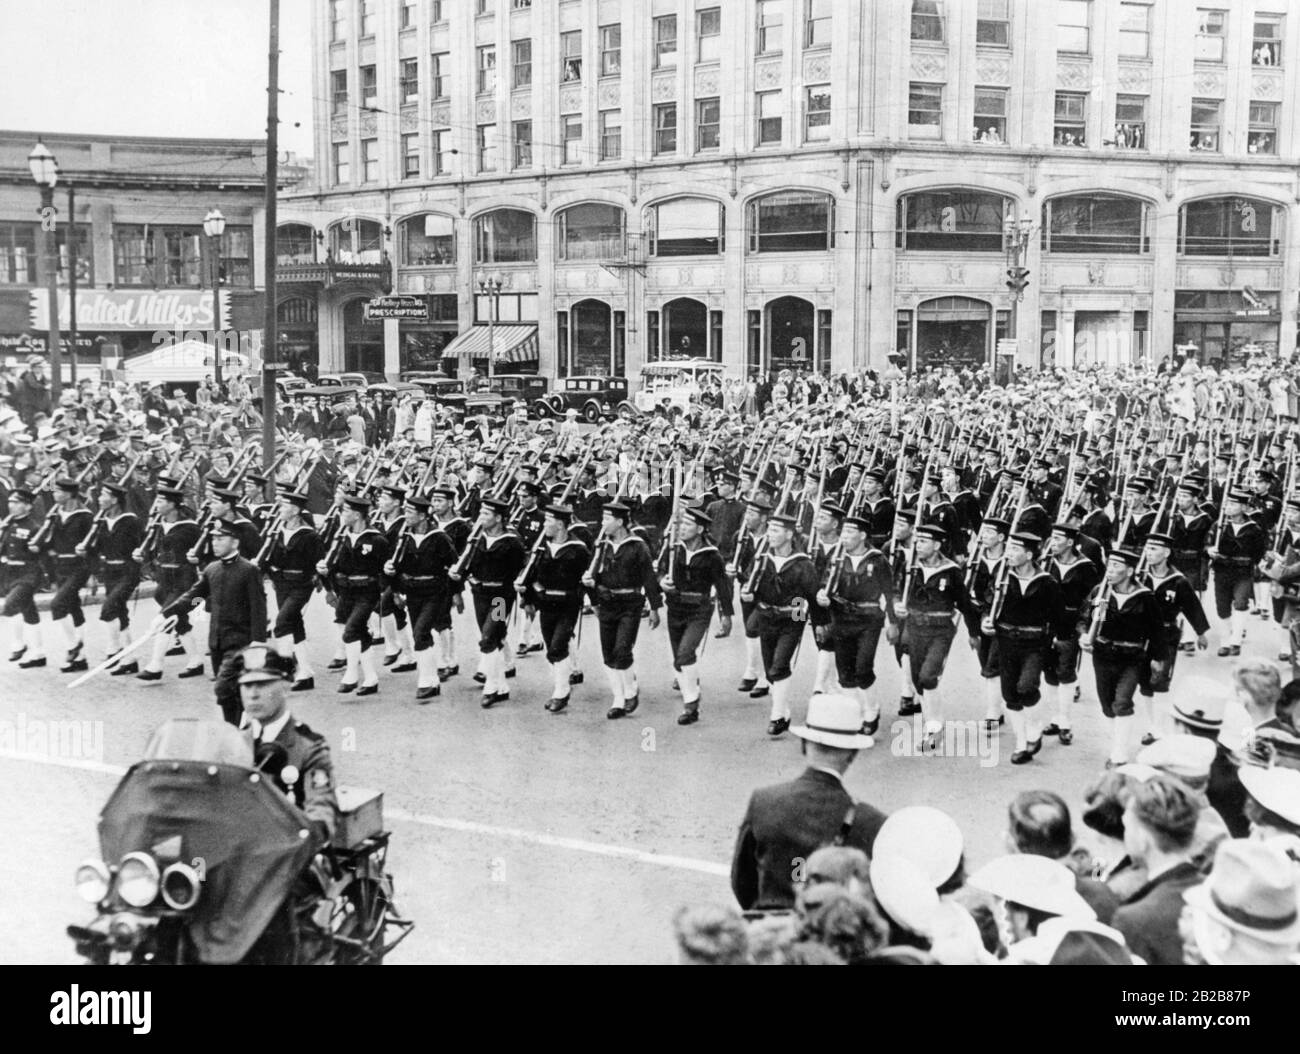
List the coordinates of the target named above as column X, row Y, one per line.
column 509, row 343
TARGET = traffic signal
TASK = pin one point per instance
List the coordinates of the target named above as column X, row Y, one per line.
column 1017, row 280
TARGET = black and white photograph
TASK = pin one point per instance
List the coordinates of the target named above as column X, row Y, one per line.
column 652, row 482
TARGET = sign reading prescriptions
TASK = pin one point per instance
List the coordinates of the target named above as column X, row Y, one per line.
column 410, row 308
column 117, row 309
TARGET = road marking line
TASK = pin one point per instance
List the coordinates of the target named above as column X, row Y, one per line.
column 579, row 845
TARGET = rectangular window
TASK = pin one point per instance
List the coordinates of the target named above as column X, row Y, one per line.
column 707, row 119
column 1229, row 226
column 1263, row 128
column 339, row 163
column 1047, row 338
column 1089, row 224
column 925, row 110
column 754, row 340
column 824, row 329
column 438, row 70
column 237, row 257
column 927, row 21
column 571, row 57
column 370, row 160
column 484, row 7
column 1131, row 122
column 441, row 152
column 487, row 70
column 817, row 24
column 562, row 343
column 338, row 21
column 769, row 118
column 817, row 113
column 428, row 241
column 1071, row 119
column 1073, row 26
column 769, row 26
column 571, row 136
column 367, row 18
column 687, row 227
column 85, row 254
column 133, row 256
column 436, row 13
column 993, row 24
column 520, row 5
column 369, row 86
column 652, row 338
column 339, row 92
column 182, row 256
column 665, row 128
column 611, row 135
column 521, row 62
column 411, row 156
column 665, row 42
column 611, row 50
column 903, row 334
column 1211, row 32
column 1135, row 31
column 708, row 34
column 1207, row 114
column 408, row 15
column 410, row 86
column 715, row 336
column 1267, row 49
column 990, row 115
column 487, row 148
column 522, row 136
column 18, row 253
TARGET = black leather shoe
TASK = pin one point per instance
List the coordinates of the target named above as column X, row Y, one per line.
column 368, row 689
column 556, row 705
column 1190, row 649
column 1035, row 745
column 191, row 671
column 747, row 685
column 75, row 651
column 124, row 669
column 480, row 678
column 777, row 727
column 337, row 664
column 1226, row 650
column 1067, row 737
column 174, row 651
column 305, row 685
column 149, row 675
column 510, row 672
column 1148, row 739
column 406, row 667
column 423, row 695
column 688, row 717
column 347, row 686
column 1022, row 757
column 447, row 672
column 527, row 649
column 869, row 727
column 1052, row 730
column 760, row 691
column 907, row 706
column 32, row 664
column 1284, row 656
column 576, row 677
column 490, row 699
column 630, row 705
column 16, row 655
column 390, row 659
column 615, row 712
column 75, row 666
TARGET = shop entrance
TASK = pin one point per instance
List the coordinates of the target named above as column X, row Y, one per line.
column 953, row 331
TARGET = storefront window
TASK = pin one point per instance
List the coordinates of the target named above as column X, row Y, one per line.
column 953, row 220
column 591, row 341
column 237, row 257
column 1094, row 223
column 146, row 255
column 428, row 240
column 593, row 231
column 953, row 331
column 687, row 227
column 1227, row 326
column 505, row 236
column 297, row 340
column 791, row 221
column 17, row 254
column 1230, row 227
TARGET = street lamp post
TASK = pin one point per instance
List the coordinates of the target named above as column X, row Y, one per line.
column 490, row 285
column 214, row 226
column 1017, row 234
column 45, row 172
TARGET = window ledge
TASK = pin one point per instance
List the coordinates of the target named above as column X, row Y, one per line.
column 817, row 48
column 769, row 55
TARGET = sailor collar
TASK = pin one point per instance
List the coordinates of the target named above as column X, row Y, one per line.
column 623, row 541
column 929, row 572
column 1121, row 599
column 555, row 549
column 490, row 540
column 692, row 553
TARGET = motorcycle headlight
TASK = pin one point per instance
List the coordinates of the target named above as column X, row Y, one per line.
column 138, row 880
column 93, row 881
column 180, row 886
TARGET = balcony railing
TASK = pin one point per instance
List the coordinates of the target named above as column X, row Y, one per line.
column 332, row 272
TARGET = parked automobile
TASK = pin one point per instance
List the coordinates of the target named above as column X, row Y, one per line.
column 329, row 380
column 514, row 388
column 364, row 378
column 679, row 382
column 395, row 390
column 592, row 396
column 439, row 388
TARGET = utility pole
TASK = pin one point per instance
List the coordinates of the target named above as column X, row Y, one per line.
column 72, row 283
column 270, row 341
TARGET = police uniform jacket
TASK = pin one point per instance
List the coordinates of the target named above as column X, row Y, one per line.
column 313, row 789
column 233, row 589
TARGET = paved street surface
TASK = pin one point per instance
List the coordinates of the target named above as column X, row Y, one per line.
column 521, row 836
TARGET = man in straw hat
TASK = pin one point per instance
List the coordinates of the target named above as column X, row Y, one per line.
column 1245, row 913
column 785, row 823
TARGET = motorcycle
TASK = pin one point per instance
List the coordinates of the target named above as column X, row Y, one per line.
column 205, row 858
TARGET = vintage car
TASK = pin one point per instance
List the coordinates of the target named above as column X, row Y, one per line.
column 678, row 382
column 592, row 396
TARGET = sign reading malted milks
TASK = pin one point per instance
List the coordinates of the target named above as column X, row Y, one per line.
column 409, row 308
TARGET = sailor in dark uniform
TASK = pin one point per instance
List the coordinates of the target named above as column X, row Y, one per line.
column 1240, row 546
column 418, row 570
column 551, row 587
column 291, row 565
column 353, row 568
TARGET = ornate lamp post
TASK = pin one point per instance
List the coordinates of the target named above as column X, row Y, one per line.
column 45, row 173
column 214, row 226
column 490, row 285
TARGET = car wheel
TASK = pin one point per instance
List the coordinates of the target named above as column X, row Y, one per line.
column 627, row 409
column 591, row 413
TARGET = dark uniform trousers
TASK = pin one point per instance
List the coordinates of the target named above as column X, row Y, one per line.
column 926, row 640
column 619, row 618
column 21, row 583
column 557, row 622
column 1062, row 665
column 855, row 635
column 291, row 596
column 687, row 625
column 73, row 572
column 492, row 609
column 120, row 579
column 779, row 630
column 1020, row 668
column 430, row 613
column 173, row 580
column 355, row 602
column 1118, row 668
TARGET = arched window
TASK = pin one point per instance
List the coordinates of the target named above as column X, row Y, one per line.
column 428, row 240
column 952, row 219
column 357, row 241
column 505, row 236
column 1095, row 223
column 687, row 227
column 295, row 243
column 593, row 231
column 296, row 311
column 791, row 221
column 1230, row 227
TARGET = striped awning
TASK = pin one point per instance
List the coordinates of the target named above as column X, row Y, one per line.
column 509, row 344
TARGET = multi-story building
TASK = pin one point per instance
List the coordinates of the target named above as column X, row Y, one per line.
column 777, row 183
column 144, row 266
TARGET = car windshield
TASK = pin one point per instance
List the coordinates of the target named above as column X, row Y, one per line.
column 189, row 739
